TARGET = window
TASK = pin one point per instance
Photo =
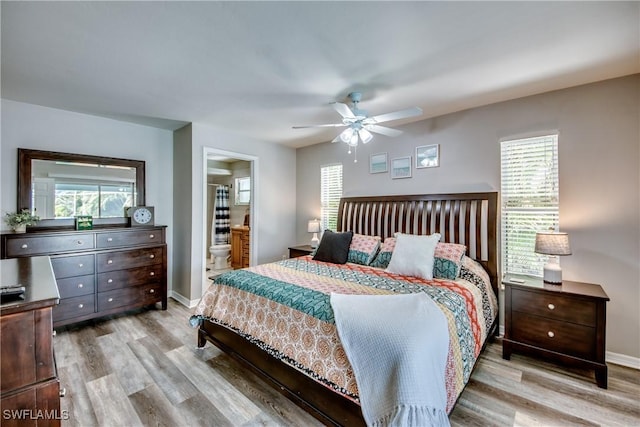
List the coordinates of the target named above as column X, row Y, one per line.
column 243, row 190
column 330, row 194
column 104, row 200
column 529, row 200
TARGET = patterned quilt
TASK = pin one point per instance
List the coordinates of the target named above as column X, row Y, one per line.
column 284, row 308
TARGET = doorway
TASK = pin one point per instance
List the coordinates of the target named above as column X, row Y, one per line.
column 229, row 212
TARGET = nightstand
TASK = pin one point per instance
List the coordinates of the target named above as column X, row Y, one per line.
column 302, row 250
column 565, row 323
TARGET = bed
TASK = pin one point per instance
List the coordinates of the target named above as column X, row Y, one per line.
column 276, row 320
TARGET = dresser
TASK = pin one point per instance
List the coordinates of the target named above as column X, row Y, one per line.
column 99, row 272
column 565, row 323
column 29, row 385
column 239, row 247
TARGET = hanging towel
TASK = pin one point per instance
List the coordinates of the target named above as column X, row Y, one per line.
column 398, row 347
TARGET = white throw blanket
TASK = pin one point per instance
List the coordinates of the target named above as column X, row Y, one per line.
column 397, row 346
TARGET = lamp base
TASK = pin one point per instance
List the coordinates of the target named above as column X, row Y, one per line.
column 552, row 273
column 315, row 241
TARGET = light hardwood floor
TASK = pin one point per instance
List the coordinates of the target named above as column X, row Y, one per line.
column 144, row 369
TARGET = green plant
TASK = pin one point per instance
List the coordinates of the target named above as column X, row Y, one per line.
column 24, row 217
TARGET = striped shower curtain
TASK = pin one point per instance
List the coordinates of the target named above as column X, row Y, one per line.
column 221, row 223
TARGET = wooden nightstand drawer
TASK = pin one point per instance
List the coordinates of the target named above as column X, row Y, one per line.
column 554, row 306
column 554, row 335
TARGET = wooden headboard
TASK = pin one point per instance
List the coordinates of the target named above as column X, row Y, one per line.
column 466, row 218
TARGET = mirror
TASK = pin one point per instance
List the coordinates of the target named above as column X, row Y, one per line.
column 59, row 186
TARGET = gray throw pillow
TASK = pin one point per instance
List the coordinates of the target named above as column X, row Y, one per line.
column 334, row 247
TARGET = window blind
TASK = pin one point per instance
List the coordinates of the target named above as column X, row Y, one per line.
column 330, row 194
column 530, row 200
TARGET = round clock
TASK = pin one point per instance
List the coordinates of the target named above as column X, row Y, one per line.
column 141, row 215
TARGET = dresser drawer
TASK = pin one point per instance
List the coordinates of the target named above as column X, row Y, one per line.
column 74, row 307
column 128, row 259
column 566, row 338
column 136, row 295
column 114, row 239
column 70, row 266
column 27, row 246
column 130, row 277
column 554, row 306
column 76, row 286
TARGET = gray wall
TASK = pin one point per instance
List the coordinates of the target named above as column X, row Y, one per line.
column 42, row 128
column 599, row 154
column 183, row 224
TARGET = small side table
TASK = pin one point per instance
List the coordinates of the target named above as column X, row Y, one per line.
column 302, row 250
column 565, row 322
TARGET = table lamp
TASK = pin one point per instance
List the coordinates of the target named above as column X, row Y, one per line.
column 314, row 227
column 554, row 244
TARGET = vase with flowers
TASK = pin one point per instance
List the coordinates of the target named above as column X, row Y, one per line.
column 18, row 221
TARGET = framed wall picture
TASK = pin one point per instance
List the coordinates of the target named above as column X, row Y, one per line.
column 428, row 156
column 401, row 167
column 378, row 163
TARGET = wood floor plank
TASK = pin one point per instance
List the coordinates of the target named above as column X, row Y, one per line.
column 124, row 364
column 154, row 409
column 110, row 403
column 200, row 411
column 167, row 376
column 76, row 402
column 231, row 402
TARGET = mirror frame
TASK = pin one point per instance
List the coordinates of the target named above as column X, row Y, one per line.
column 25, row 156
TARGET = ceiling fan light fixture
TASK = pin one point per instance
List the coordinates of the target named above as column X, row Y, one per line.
column 354, row 139
column 365, row 135
column 346, row 135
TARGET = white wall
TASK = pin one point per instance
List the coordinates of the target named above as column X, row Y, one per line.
column 41, row 128
column 599, row 154
column 274, row 206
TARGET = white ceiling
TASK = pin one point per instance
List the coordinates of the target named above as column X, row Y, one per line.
column 259, row 68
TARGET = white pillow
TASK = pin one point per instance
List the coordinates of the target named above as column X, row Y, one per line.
column 413, row 255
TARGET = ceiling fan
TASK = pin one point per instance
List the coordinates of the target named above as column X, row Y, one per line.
column 359, row 125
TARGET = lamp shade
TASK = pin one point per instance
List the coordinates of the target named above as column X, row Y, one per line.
column 552, row 243
column 313, row 226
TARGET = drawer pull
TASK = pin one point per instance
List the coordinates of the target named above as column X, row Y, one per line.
column 54, row 333
column 152, row 291
column 80, row 242
column 110, row 300
column 551, row 306
column 80, row 305
column 109, row 239
column 152, row 256
column 152, row 273
column 551, row 334
column 63, row 392
column 80, row 265
column 24, row 246
column 110, row 261
column 80, row 285
column 151, row 236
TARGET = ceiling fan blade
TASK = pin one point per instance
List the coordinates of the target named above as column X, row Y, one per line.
column 331, row 125
column 396, row 115
column 343, row 110
column 383, row 130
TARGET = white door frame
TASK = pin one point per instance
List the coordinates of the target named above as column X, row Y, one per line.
column 253, row 207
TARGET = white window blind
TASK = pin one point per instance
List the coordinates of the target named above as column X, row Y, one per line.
column 530, row 200
column 330, row 194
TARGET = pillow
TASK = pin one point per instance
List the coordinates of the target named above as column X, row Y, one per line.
column 384, row 256
column 334, row 247
column 448, row 260
column 363, row 249
column 413, row 255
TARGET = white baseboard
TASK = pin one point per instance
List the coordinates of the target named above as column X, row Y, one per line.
column 184, row 301
column 623, row 360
